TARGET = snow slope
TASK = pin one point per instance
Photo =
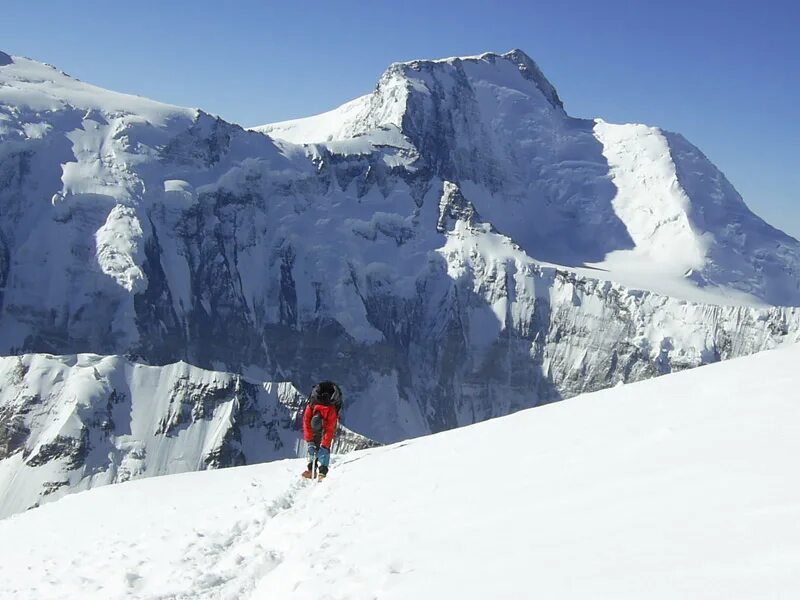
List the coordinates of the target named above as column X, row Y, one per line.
column 677, row 487
column 333, row 125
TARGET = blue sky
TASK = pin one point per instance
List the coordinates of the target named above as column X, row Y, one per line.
column 726, row 74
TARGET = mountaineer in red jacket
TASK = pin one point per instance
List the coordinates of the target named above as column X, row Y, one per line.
column 319, row 425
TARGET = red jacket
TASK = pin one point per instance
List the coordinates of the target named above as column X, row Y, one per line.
column 329, row 418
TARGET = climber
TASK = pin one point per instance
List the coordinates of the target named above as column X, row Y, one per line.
column 319, row 426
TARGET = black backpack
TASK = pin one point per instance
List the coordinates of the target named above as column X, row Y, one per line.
column 326, row 393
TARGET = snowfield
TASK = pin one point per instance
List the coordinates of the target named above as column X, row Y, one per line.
column 682, row 486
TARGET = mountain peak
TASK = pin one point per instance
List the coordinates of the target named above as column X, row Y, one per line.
column 530, row 70
column 5, row 59
column 514, row 54
column 524, row 63
column 419, row 93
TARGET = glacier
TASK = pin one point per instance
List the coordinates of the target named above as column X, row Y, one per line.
column 451, row 247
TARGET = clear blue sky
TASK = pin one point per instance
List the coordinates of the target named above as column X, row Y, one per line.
column 726, row 74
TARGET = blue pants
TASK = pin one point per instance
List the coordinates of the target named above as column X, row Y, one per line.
column 323, row 456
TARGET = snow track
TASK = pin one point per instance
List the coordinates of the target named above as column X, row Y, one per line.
column 227, row 564
column 225, row 560
column 216, row 543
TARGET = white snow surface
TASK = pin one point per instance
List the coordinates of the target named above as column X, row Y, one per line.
column 32, row 86
column 678, row 487
column 325, row 127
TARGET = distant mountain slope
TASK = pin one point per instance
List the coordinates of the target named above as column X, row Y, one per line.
column 678, row 487
column 72, row 423
column 454, row 247
column 638, row 202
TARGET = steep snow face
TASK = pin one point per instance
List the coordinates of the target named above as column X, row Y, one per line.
column 77, row 422
column 644, row 174
column 439, row 250
column 692, row 232
column 677, row 487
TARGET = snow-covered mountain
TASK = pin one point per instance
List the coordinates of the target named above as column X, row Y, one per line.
column 449, row 248
column 683, row 486
column 639, row 202
column 72, row 423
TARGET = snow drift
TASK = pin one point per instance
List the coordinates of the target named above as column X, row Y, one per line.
column 681, row 486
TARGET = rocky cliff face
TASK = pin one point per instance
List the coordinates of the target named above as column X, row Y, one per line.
column 449, row 248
